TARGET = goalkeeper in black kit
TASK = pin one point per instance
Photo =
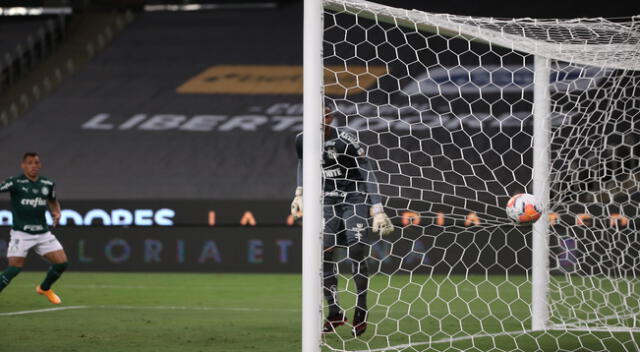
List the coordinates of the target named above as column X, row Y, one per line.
column 350, row 198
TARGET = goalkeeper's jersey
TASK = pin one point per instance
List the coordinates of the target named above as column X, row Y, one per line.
column 29, row 202
column 345, row 165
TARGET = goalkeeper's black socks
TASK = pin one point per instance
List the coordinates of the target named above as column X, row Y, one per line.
column 330, row 284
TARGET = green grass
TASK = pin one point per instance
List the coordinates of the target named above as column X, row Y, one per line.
column 243, row 312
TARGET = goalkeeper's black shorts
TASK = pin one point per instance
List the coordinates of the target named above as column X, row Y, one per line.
column 345, row 219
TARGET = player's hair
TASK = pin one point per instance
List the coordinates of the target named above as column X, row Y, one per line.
column 329, row 103
column 29, row 154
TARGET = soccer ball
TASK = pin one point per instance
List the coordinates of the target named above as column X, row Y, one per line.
column 524, row 209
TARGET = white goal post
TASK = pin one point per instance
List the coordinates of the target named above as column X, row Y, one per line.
column 540, row 242
column 312, row 225
column 459, row 113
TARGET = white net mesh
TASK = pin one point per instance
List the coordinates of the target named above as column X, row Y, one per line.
column 444, row 106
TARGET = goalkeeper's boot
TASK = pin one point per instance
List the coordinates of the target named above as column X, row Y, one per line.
column 333, row 321
column 359, row 322
column 51, row 296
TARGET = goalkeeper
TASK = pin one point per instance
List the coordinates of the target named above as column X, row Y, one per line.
column 350, row 186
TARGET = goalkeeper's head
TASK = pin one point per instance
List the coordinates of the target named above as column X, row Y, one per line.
column 329, row 109
column 329, row 105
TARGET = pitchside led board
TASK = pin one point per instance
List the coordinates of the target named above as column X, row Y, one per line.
column 230, row 236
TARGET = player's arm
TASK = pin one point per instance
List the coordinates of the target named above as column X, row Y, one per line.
column 54, row 207
column 296, row 204
column 381, row 222
column 7, row 185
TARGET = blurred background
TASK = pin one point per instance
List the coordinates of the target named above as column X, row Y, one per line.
column 169, row 126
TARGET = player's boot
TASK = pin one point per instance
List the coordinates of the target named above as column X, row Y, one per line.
column 51, row 296
column 333, row 321
column 359, row 322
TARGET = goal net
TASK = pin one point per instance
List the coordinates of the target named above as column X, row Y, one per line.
column 458, row 114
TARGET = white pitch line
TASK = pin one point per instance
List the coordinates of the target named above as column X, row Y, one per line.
column 142, row 287
column 119, row 287
column 594, row 329
column 600, row 319
column 23, row 312
column 462, row 338
column 507, row 333
column 445, row 340
column 231, row 309
column 101, row 287
column 228, row 309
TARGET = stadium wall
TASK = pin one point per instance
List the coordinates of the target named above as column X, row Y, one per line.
column 260, row 236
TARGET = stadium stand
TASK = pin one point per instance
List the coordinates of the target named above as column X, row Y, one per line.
column 14, row 31
column 25, row 41
column 145, row 119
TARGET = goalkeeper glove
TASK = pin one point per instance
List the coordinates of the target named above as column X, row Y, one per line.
column 296, row 204
column 381, row 222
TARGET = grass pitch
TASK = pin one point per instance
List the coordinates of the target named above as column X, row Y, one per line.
column 242, row 312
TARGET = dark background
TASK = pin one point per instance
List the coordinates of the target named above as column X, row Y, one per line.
column 534, row 9
column 241, row 170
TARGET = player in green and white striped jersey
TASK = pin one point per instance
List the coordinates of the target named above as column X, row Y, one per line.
column 31, row 196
